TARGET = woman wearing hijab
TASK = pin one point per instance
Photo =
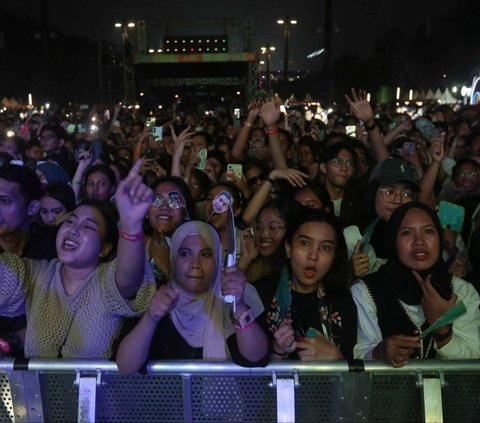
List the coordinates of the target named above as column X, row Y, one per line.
column 412, row 291
column 188, row 317
column 49, row 172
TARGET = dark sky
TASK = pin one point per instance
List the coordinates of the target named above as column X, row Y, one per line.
column 358, row 23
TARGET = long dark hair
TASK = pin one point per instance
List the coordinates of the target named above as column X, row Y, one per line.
column 110, row 217
column 337, row 280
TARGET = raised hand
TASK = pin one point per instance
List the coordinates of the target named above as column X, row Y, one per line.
column 162, row 302
column 180, row 140
column 437, row 149
column 233, row 283
column 360, row 260
column 133, row 198
column 254, row 110
column 294, row 176
column 270, row 112
column 249, row 250
column 433, row 305
column 359, row 106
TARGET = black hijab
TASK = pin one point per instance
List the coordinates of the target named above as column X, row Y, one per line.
column 400, row 277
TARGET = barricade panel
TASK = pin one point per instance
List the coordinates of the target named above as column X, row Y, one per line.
column 395, row 398
column 139, row 398
column 6, row 404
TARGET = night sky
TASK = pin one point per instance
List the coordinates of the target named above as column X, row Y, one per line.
column 357, row 23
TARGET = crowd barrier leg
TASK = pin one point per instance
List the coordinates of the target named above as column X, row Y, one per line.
column 87, row 395
column 285, row 387
column 431, row 397
column 26, row 397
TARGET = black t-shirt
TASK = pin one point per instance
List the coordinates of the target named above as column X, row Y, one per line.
column 168, row 344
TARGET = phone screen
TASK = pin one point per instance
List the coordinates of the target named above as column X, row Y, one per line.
column 235, row 169
column 350, row 129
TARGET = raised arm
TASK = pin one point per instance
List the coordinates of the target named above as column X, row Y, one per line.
column 238, row 147
column 430, row 176
column 362, row 110
column 133, row 198
column 293, row 176
column 178, row 147
column 252, row 341
column 270, row 113
column 84, row 161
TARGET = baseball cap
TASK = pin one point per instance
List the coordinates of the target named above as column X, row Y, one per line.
column 393, row 170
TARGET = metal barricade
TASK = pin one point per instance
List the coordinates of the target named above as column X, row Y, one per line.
column 196, row 391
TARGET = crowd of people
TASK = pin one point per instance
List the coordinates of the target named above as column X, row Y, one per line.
column 188, row 233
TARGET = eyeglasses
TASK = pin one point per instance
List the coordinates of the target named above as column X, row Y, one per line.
column 389, row 194
column 470, row 174
column 255, row 179
column 272, row 229
column 174, row 200
column 338, row 162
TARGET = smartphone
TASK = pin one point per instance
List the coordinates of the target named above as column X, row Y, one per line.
column 451, row 216
column 150, row 121
column 350, row 129
column 93, row 128
column 283, row 109
column 95, row 150
column 71, row 128
column 236, row 113
column 81, row 128
column 202, row 154
column 157, row 132
column 237, row 169
column 106, row 114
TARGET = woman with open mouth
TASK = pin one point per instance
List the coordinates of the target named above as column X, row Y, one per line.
column 75, row 305
column 410, row 292
column 312, row 314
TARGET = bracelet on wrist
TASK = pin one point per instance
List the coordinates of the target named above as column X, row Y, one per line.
column 130, row 237
column 5, row 346
column 244, row 320
column 272, row 131
column 370, row 127
column 440, row 338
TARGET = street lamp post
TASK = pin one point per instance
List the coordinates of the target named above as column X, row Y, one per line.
column 267, row 51
column 286, row 22
column 128, row 89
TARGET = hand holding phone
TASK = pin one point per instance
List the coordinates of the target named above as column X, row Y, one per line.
column 234, row 169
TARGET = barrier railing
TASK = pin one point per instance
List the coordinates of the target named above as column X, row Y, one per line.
column 195, row 391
